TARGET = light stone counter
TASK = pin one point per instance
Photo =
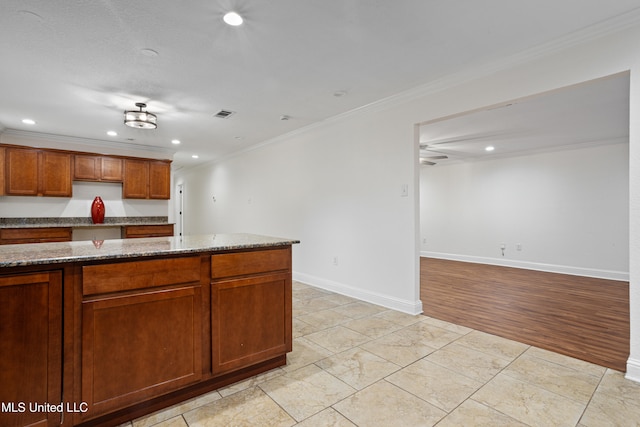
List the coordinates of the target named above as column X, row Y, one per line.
column 57, row 253
column 81, row 222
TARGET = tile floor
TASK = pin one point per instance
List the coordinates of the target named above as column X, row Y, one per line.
column 358, row 364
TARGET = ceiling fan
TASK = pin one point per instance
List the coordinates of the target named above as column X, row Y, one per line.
column 428, row 159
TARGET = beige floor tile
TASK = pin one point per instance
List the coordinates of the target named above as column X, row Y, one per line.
column 341, row 299
column 383, row 404
column 304, row 353
column 173, row 411
column 328, row 417
column 306, row 391
column 556, row 378
column 173, row 422
column 430, row 335
column 399, row 347
column 306, row 292
column 373, row 327
column 325, row 318
column 494, row 345
column 569, row 362
column 437, row 385
column 357, row 367
column 250, row 382
column 472, row 413
column 359, row 309
column 462, row 330
column 468, row 361
column 300, row 328
column 402, row 319
column 311, row 305
column 615, row 403
column 528, row 403
column 615, row 384
column 251, row 407
column 338, row 339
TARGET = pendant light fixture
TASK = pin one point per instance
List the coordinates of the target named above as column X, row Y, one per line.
column 140, row 119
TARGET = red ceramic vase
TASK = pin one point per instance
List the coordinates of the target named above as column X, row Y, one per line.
column 97, row 210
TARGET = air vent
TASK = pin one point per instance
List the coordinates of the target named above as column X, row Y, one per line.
column 224, row 114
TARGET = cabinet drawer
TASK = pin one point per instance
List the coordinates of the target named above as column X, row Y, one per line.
column 162, row 230
column 254, row 262
column 98, row 279
column 35, row 235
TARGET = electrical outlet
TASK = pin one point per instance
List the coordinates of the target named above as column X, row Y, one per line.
column 503, row 246
column 519, row 247
column 335, row 260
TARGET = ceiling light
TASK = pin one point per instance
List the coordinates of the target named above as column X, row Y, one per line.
column 195, row 156
column 140, row 119
column 489, row 148
column 28, row 121
column 175, row 141
column 112, row 133
column 233, row 19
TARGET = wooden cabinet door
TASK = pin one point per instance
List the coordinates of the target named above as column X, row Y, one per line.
column 55, row 174
column 159, row 180
column 22, row 172
column 111, row 169
column 136, row 179
column 139, row 346
column 250, row 320
column 86, row 168
column 31, row 356
column 38, row 173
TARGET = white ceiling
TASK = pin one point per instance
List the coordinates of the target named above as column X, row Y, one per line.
column 593, row 113
column 74, row 67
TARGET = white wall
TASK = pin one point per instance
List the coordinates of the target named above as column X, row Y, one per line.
column 336, row 186
column 569, row 211
column 80, row 204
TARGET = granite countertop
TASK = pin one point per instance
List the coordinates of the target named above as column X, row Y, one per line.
column 57, row 253
column 81, row 222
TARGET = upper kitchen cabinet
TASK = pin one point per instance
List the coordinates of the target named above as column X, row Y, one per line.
column 147, row 179
column 98, row 168
column 33, row 172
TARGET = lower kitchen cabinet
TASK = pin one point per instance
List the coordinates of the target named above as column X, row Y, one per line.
column 31, row 356
column 136, row 347
column 116, row 339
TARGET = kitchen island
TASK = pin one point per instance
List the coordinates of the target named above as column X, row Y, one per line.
column 98, row 333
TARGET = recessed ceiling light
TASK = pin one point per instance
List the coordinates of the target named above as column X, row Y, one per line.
column 195, row 156
column 233, row 19
column 28, row 121
column 175, row 141
column 112, row 133
column 490, row 148
column 339, row 93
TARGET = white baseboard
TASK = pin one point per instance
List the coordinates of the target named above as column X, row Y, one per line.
column 405, row 306
column 633, row 370
column 527, row 265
